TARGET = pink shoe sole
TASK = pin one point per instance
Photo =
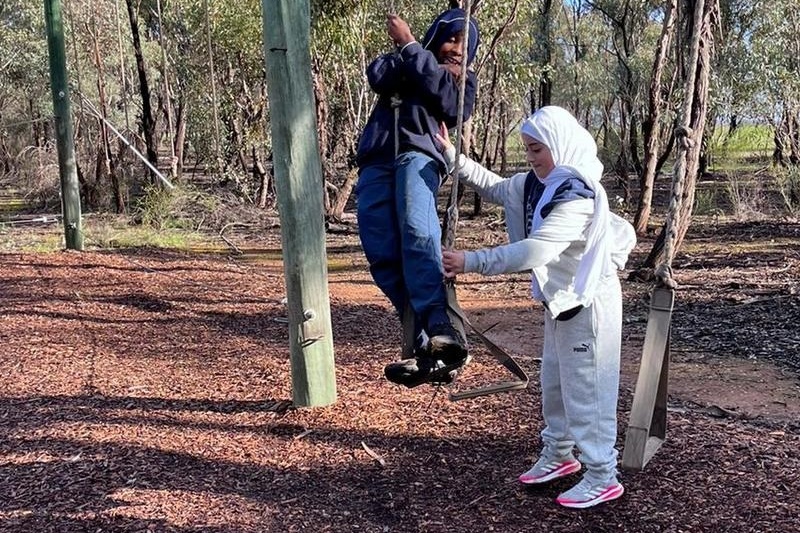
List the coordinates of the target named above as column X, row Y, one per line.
column 611, row 493
column 564, row 469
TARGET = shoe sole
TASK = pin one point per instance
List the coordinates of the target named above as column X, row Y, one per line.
column 562, row 471
column 439, row 376
column 611, row 493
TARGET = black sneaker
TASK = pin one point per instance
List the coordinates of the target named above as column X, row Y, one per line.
column 446, row 344
column 418, row 370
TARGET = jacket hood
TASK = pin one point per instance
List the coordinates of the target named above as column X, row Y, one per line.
column 448, row 24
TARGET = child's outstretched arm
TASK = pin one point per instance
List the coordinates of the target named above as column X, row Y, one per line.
column 489, row 185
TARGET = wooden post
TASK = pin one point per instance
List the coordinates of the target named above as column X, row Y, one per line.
column 298, row 179
column 67, row 170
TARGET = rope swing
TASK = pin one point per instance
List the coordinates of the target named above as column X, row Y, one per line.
column 647, row 427
column 456, row 314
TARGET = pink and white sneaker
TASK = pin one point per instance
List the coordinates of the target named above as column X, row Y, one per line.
column 586, row 494
column 547, row 469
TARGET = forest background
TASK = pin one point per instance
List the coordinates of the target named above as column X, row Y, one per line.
column 183, row 82
column 145, row 380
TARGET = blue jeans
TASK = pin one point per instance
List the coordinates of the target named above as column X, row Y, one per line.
column 400, row 234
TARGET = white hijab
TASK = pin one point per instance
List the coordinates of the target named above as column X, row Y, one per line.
column 575, row 155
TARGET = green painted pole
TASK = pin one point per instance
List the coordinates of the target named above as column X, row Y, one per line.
column 298, row 179
column 67, row 170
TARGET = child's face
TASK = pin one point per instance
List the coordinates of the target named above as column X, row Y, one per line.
column 538, row 156
column 451, row 53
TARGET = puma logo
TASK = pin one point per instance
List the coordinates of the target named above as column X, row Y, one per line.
column 583, row 348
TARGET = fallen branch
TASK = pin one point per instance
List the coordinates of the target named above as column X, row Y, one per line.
column 372, row 454
column 227, row 241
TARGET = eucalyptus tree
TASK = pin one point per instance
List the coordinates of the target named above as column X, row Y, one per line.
column 25, row 107
column 238, row 53
column 654, row 124
column 589, row 70
column 735, row 82
column 698, row 30
column 148, row 120
column 631, row 25
column 757, row 73
column 101, row 99
column 543, row 53
column 503, row 84
column 778, row 47
column 219, row 89
column 345, row 36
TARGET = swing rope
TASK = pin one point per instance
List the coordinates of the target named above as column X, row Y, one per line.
column 454, row 309
column 647, row 427
column 452, row 208
column 449, row 241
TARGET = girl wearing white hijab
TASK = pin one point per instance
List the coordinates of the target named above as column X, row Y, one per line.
column 560, row 228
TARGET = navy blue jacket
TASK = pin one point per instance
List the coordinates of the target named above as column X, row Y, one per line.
column 428, row 95
column 572, row 189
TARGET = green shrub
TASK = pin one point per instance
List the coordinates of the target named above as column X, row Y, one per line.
column 747, row 196
column 788, row 182
column 706, row 202
column 181, row 208
column 154, row 207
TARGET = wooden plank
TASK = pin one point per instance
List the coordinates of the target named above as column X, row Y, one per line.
column 298, row 180
column 648, row 420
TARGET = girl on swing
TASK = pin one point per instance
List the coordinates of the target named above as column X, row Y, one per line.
column 561, row 229
column 400, row 170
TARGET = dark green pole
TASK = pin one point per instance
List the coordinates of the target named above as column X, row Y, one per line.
column 298, row 179
column 70, row 192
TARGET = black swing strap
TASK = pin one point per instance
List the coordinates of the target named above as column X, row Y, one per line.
column 497, row 352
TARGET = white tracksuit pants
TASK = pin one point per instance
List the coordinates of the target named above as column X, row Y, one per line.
column 580, row 383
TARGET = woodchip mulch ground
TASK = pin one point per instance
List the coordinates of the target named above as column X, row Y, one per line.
column 150, row 390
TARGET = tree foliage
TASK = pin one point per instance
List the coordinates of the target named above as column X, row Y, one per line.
column 205, row 64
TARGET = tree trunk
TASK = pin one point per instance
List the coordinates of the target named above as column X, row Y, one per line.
column 259, row 174
column 106, row 167
column 180, row 136
column 621, row 164
column 794, row 139
column 483, row 157
column 122, row 67
column 148, row 122
column 650, row 124
column 37, row 139
column 544, row 53
column 173, row 164
column 689, row 133
column 263, row 192
column 322, row 112
column 215, row 104
column 343, row 195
